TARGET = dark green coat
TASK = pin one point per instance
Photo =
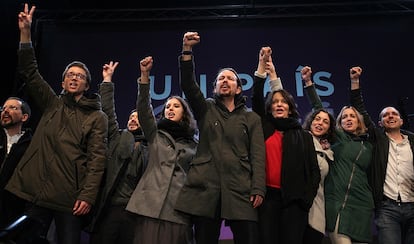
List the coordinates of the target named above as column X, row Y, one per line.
column 347, row 192
column 355, row 205
column 65, row 160
column 124, row 164
column 229, row 165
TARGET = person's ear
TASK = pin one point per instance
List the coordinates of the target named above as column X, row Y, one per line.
column 25, row 117
column 239, row 90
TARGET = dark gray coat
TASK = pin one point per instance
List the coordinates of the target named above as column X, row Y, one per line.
column 166, row 172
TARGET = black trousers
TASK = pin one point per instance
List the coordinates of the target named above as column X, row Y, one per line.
column 68, row 226
column 312, row 236
column 115, row 226
column 11, row 208
column 207, row 230
column 279, row 223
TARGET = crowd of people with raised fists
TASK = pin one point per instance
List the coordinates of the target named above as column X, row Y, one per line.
column 175, row 178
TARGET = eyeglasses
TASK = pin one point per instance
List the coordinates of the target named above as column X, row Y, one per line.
column 11, row 107
column 71, row 75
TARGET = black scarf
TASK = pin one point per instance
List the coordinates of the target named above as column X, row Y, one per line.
column 175, row 129
column 284, row 124
column 295, row 158
column 239, row 101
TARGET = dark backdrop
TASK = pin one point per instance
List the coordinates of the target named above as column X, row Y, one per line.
column 381, row 45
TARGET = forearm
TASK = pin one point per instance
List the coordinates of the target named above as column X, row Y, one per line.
column 145, row 113
column 258, row 104
column 25, row 36
column 106, row 90
column 191, row 89
column 38, row 89
column 313, row 97
column 357, row 101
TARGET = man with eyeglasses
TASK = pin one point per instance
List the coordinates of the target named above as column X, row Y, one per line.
column 14, row 140
column 61, row 171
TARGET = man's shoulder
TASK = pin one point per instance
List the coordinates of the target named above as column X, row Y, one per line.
column 28, row 133
column 98, row 116
column 250, row 114
column 408, row 133
column 101, row 114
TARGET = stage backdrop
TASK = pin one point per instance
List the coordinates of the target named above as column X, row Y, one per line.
column 382, row 46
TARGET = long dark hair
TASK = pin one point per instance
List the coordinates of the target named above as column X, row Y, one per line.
column 188, row 117
column 330, row 135
column 293, row 111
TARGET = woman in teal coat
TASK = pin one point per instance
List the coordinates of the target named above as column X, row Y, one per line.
column 348, row 198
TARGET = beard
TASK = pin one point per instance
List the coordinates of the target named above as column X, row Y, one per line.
column 226, row 93
column 8, row 124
